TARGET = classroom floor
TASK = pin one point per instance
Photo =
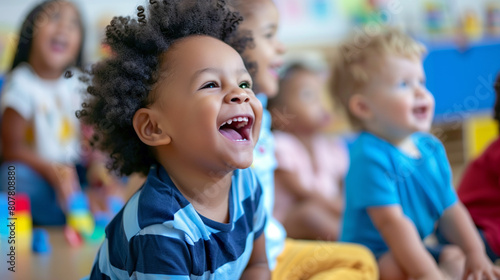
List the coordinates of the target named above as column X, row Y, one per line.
column 62, row 263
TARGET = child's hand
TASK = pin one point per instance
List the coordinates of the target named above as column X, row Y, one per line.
column 479, row 267
column 100, row 177
column 67, row 183
column 103, row 185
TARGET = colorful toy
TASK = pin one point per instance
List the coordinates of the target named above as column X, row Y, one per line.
column 41, row 242
column 472, row 26
column 435, row 17
column 102, row 219
column 73, row 238
column 79, row 217
column 82, row 225
column 23, row 222
column 493, row 18
column 4, row 214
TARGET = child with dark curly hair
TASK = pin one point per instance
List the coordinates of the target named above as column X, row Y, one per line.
column 175, row 102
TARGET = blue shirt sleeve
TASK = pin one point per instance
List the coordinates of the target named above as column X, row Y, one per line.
column 372, row 186
column 370, row 181
column 447, row 194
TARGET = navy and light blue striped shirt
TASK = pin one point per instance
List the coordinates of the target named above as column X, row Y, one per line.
column 159, row 234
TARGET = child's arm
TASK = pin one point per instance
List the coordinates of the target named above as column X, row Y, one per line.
column 291, row 181
column 404, row 242
column 257, row 267
column 458, row 227
column 15, row 149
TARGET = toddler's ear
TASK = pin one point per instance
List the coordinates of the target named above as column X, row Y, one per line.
column 359, row 107
column 148, row 128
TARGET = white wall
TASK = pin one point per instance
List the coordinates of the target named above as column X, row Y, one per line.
column 295, row 30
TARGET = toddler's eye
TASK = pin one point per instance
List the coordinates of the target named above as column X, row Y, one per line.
column 306, row 95
column 422, row 82
column 245, row 85
column 209, row 85
column 403, row 84
column 75, row 23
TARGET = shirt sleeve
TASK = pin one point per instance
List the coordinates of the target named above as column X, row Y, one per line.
column 160, row 256
column 17, row 96
column 370, row 180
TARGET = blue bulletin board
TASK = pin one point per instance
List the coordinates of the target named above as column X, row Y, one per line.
column 461, row 80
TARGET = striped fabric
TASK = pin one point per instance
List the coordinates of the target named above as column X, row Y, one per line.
column 159, row 234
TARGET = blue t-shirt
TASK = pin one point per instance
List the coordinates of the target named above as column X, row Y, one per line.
column 159, row 234
column 264, row 164
column 381, row 175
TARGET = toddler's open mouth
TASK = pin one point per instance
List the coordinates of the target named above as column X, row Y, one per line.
column 274, row 69
column 58, row 44
column 420, row 112
column 237, row 128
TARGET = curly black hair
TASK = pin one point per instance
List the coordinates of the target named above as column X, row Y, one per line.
column 121, row 85
column 28, row 27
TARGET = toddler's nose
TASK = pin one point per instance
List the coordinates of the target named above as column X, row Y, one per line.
column 237, row 96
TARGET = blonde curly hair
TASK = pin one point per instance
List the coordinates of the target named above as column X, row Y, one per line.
column 358, row 57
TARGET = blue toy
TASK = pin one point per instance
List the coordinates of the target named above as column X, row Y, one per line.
column 41, row 242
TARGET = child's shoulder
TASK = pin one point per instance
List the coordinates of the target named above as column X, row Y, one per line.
column 426, row 136
column 23, row 78
column 20, row 91
column 368, row 146
column 285, row 141
column 426, row 142
column 491, row 155
column 158, row 200
column 22, row 75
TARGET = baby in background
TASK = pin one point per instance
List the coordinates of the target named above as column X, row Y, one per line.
column 311, row 165
column 399, row 182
